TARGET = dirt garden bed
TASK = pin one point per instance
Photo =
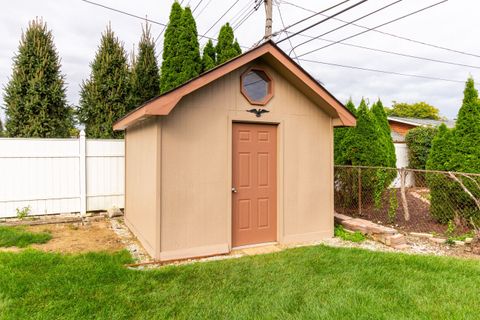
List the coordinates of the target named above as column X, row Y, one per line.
column 79, row 237
column 92, row 234
column 419, row 208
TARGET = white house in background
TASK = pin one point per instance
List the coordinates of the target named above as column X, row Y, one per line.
column 399, row 128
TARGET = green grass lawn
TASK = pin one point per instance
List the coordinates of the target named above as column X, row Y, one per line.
column 19, row 237
column 304, row 283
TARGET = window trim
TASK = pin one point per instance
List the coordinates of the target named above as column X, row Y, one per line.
column 270, row 87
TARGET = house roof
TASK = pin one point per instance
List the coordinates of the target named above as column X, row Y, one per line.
column 273, row 55
column 422, row 122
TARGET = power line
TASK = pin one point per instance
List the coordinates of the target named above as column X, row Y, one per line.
column 194, row 9
column 381, row 71
column 200, row 12
column 248, row 14
column 283, row 25
column 144, row 19
column 349, row 23
column 251, row 12
column 391, row 34
column 321, row 21
column 378, row 26
column 309, row 17
column 124, row 12
column 240, row 13
column 223, row 15
column 393, row 52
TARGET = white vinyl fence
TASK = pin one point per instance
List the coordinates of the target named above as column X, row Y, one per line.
column 60, row 175
column 401, row 152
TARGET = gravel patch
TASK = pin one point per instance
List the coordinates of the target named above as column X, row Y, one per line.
column 128, row 239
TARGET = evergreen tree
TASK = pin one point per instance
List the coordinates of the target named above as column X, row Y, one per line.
column 441, row 151
column 145, row 76
column 386, row 136
column 181, row 53
column 171, row 64
column 340, row 133
column 442, row 189
column 35, row 96
column 466, row 135
column 209, row 56
column 363, row 144
column 189, row 50
column 105, row 96
column 227, row 46
column 457, row 150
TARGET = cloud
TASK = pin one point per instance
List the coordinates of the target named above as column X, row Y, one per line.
column 77, row 27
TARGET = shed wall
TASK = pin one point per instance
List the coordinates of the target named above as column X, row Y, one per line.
column 196, row 162
column 142, row 174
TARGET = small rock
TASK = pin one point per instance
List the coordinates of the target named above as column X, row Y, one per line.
column 401, row 247
column 468, row 240
column 341, row 217
column 437, row 240
column 396, row 240
column 421, row 235
column 459, row 243
column 114, row 212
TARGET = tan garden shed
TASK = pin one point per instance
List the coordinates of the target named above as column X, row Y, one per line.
column 241, row 155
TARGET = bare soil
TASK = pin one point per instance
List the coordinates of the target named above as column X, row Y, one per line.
column 419, row 208
column 79, row 238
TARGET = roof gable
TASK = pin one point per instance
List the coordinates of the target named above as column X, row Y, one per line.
column 163, row 104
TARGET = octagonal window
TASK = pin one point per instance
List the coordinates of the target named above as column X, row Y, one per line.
column 257, row 86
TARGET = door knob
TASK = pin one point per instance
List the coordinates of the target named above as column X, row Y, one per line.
column 234, row 190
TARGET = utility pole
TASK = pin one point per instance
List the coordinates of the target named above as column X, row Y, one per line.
column 268, row 19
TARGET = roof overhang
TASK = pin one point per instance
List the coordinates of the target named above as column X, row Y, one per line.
column 404, row 121
column 273, row 55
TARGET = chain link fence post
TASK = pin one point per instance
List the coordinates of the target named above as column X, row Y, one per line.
column 360, row 191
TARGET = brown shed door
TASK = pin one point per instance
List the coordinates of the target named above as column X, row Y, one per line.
column 254, row 184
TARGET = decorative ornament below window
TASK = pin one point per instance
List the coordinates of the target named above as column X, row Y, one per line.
column 257, row 86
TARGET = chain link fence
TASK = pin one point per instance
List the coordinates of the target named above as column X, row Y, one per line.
column 437, row 202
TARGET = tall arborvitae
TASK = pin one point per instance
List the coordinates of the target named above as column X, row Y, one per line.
column 339, row 135
column 442, row 189
column 171, row 64
column 209, row 56
column 35, row 98
column 181, row 53
column 363, row 144
column 189, row 50
column 466, row 157
column 386, row 136
column 145, row 75
column 105, row 96
column 227, row 46
column 457, row 150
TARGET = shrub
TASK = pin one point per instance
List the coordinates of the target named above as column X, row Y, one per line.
column 356, row 236
column 419, row 141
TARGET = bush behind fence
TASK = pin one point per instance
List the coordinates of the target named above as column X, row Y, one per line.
column 446, row 203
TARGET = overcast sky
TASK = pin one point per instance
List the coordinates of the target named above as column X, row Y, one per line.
column 77, row 27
